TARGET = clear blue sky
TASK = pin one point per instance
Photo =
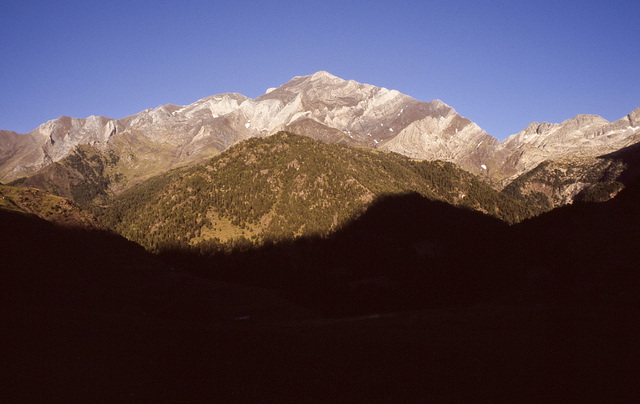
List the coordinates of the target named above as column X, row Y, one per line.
column 502, row 64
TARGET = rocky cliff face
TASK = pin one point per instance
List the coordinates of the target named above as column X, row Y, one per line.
column 321, row 106
column 581, row 137
column 567, row 179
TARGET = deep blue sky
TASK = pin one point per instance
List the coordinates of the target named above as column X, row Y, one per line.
column 502, row 64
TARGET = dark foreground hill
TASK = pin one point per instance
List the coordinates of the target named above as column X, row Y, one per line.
column 409, row 252
column 414, row 300
column 49, row 266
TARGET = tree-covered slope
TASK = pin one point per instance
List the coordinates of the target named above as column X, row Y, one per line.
column 285, row 186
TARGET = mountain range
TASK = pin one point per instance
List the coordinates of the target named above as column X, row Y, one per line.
column 230, row 258
column 320, row 106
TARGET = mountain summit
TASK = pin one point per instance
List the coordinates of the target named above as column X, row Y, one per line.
column 321, row 106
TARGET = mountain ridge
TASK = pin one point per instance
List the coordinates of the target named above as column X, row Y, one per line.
column 321, row 106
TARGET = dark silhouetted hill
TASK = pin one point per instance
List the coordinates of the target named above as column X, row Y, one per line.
column 451, row 304
column 405, row 252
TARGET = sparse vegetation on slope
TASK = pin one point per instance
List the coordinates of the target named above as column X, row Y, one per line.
column 85, row 176
column 46, row 206
column 554, row 183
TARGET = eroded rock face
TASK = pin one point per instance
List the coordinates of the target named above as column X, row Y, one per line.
column 571, row 178
column 448, row 137
column 321, row 106
column 582, row 136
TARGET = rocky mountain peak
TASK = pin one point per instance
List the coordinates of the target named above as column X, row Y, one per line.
column 325, row 77
column 583, row 135
column 439, row 104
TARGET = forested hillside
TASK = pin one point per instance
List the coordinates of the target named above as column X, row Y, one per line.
column 285, row 186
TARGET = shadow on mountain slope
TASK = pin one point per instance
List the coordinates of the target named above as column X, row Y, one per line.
column 547, row 309
column 408, row 252
column 405, row 251
column 48, row 266
column 541, row 311
column 585, row 250
column 630, row 156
